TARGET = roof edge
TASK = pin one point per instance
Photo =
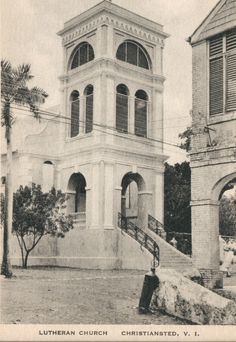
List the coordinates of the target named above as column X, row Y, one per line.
column 108, row 6
column 193, row 39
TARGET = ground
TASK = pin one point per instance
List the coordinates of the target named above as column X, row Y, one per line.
column 63, row 295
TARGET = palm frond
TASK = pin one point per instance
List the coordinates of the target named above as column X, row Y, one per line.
column 22, row 95
column 14, row 89
column 22, row 74
column 6, row 66
column 6, row 116
column 31, row 97
column 6, row 79
column 37, row 97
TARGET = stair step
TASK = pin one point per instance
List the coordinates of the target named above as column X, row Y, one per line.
column 170, row 257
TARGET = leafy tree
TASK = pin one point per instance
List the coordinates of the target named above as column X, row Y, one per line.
column 14, row 90
column 177, row 193
column 186, row 137
column 37, row 214
column 177, row 210
column 228, row 216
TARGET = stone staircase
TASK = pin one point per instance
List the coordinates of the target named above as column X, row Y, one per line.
column 140, row 235
column 153, row 239
column 170, row 257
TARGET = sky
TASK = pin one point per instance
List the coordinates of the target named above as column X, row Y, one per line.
column 28, row 35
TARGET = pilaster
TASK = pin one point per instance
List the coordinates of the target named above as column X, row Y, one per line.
column 156, row 119
column 95, row 209
column 109, row 203
column 131, row 114
column 110, row 108
column 205, row 234
column 159, row 197
column 145, row 205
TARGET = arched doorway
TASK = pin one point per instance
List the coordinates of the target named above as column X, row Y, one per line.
column 133, row 204
column 77, row 195
column 205, row 228
column 225, row 192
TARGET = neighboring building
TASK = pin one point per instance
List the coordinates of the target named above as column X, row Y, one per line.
column 213, row 154
column 104, row 147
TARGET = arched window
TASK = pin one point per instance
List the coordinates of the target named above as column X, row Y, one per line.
column 122, row 93
column 75, row 104
column 141, row 104
column 88, row 92
column 77, row 194
column 48, row 176
column 133, row 53
column 83, row 54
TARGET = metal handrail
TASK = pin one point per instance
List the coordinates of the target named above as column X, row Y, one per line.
column 139, row 235
column 156, row 226
column 182, row 244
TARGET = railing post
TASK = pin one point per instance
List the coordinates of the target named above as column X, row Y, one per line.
column 145, row 240
column 125, row 223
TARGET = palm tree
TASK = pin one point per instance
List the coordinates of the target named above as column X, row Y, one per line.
column 14, row 90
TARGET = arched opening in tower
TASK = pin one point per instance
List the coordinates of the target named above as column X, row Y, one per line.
column 132, row 206
column 77, row 195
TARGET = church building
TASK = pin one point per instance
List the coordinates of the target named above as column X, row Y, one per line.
column 104, row 147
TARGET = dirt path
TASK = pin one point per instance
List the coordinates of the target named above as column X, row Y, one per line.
column 71, row 296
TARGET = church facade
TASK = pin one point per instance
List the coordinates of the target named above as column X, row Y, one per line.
column 104, row 147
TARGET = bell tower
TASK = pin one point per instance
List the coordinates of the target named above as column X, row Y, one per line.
column 112, row 142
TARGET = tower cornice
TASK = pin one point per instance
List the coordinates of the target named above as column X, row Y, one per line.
column 118, row 17
column 114, row 69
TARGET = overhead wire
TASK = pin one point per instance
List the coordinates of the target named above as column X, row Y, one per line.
column 148, row 102
column 69, row 121
column 66, row 120
column 179, row 151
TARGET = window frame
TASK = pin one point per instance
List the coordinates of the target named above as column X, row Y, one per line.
column 127, row 97
column 71, row 101
column 147, row 102
column 85, row 102
column 224, row 55
column 77, row 50
column 139, row 48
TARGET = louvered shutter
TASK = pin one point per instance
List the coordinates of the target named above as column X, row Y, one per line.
column 231, row 40
column 216, row 86
column 122, row 113
column 231, row 70
column 89, row 114
column 90, row 53
column 132, row 53
column 74, row 118
column 141, row 117
column 231, row 83
column 216, row 74
column 75, row 61
column 83, row 54
column 121, row 52
column 216, row 45
column 142, row 60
